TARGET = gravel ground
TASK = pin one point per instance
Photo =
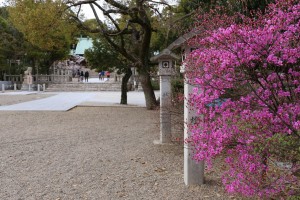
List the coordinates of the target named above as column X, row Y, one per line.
column 92, row 153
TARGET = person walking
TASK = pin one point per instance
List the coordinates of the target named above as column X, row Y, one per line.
column 81, row 76
column 86, row 76
column 108, row 75
column 102, row 74
column 78, row 75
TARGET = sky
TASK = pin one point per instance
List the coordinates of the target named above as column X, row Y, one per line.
column 88, row 13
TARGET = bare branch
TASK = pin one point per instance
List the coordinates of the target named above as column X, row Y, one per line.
column 111, row 19
column 72, row 4
column 116, row 4
column 119, row 48
column 112, row 11
column 81, row 25
column 78, row 11
column 162, row 2
column 183, row 17
column 155, row 10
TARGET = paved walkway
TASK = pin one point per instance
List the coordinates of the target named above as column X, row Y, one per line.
column 64, row 101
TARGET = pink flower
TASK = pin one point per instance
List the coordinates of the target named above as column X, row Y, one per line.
column 248, row 90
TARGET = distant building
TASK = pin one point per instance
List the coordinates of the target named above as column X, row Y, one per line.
column 77, row 52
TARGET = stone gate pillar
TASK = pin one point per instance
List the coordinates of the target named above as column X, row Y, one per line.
column 193, row 172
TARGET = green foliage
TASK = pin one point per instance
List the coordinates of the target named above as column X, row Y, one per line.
column 44, row 24
column 103, row 57
column 12, row 45
column 165, row 32
column 294, row 197
column 285, row 147
column 42, row 30
column 155, row 84
column 184, row 12
column 177, row 85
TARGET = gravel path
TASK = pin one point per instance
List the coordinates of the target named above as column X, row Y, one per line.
column 92, row 153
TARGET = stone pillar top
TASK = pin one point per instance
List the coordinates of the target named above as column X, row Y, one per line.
column 165, row 54
column 165, row 62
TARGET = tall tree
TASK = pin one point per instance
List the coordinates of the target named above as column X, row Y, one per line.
column 137, row 15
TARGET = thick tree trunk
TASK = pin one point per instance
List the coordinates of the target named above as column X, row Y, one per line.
column 151, row 102
column 124, row 86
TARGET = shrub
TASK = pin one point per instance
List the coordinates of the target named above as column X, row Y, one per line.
column 251, row 67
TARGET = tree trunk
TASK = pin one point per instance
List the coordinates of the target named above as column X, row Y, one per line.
column 124, row 86
column 151, row 102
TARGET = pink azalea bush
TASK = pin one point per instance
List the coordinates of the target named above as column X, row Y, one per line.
column 247, row 78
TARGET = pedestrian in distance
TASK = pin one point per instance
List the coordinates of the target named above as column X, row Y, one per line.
column 108, row 75
column 78, row 75
column 81, row 76
column 102, row 74
column 86, row 76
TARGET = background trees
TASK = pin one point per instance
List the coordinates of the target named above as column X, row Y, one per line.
column 12, row 46
column 46, row 26
column 248, row 75
column 103, row 57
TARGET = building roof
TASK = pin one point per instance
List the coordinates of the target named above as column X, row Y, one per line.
column 82, row 45
column 182, row 39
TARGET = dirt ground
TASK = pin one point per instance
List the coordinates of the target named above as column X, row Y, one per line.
column 92, row 153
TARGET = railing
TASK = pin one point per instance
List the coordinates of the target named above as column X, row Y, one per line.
column 51, row 78
column 39, row 78
column 13, row 78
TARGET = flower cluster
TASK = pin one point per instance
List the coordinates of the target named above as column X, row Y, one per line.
column 247, row 78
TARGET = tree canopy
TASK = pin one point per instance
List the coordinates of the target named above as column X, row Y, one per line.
column 44, row 24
